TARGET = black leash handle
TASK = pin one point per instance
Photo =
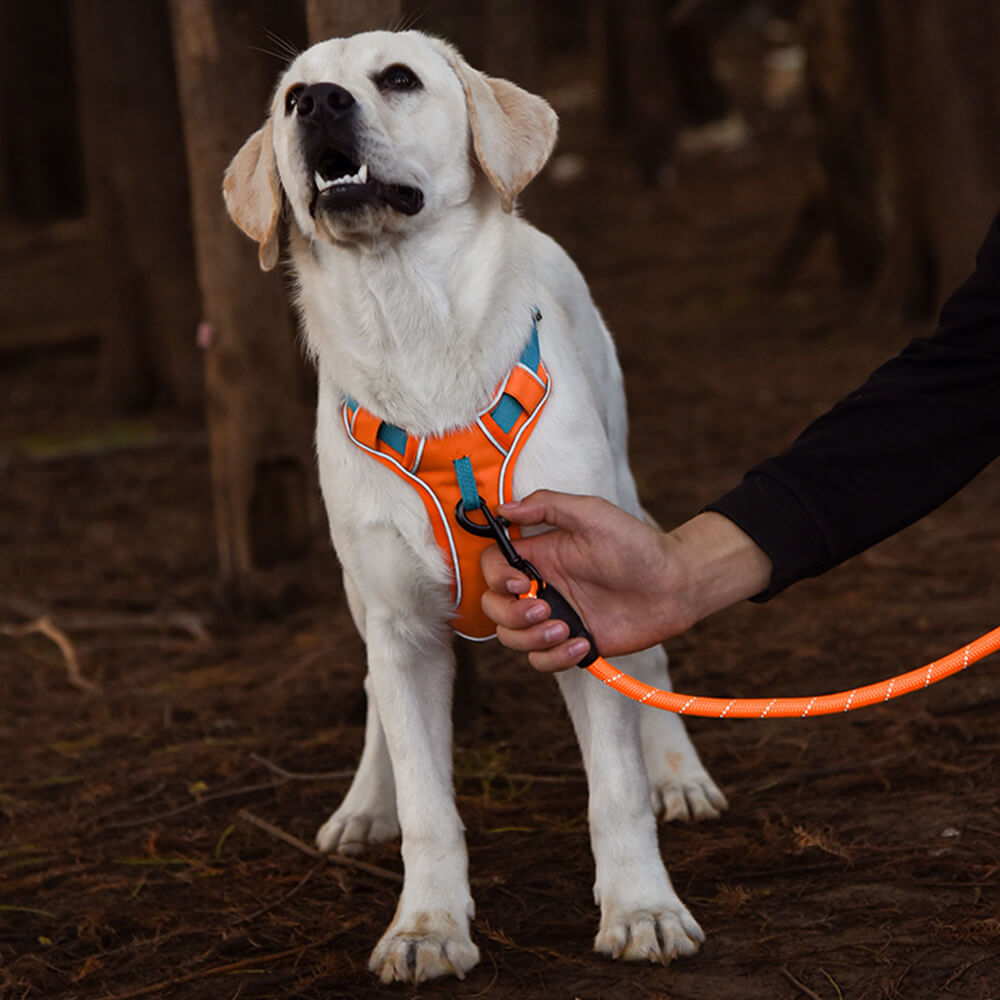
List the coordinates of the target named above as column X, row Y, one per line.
column 496, row 528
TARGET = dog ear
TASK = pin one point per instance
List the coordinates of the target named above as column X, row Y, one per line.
column 513, row 132
column 253, row 195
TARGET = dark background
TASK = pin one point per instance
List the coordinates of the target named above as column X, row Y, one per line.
column 767, row 200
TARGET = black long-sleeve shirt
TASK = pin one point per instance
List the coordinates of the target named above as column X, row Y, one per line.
column 923, row 425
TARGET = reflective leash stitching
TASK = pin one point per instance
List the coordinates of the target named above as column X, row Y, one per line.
column 724, row 708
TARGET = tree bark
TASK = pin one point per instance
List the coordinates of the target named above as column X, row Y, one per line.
column 138, row 198
column 259, row 419
column 510, row 42
column 904, row 95
column 943, row 80
column 340, row 18
column 40, row 175
column 641, row 97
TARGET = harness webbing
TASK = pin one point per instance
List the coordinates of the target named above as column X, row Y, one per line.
column 472, row 465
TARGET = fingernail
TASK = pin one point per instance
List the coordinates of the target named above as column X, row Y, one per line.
column 556, row 631
column 537, row 613
column 578, row 647
column 510, row 505
column 517, row 586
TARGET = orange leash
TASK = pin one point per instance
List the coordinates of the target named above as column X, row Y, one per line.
column 785, row 708
column 722, row 708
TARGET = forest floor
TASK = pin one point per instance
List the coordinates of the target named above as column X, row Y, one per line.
column 153, row 834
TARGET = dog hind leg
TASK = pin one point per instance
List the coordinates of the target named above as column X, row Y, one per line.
column 368, row 813
column 679, row 785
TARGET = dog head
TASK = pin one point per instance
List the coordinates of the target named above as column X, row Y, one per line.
column 372, row 135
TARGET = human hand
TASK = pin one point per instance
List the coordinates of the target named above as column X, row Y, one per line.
column 632, row 585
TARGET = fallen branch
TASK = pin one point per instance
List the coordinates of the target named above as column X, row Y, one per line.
column 278, row 770
column 312, row 852
column 805, row 989
column 44, row 626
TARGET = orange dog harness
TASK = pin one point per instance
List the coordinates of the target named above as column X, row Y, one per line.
column 462, row 469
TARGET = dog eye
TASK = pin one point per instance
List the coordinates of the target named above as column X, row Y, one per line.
column 398, row 77
column 292, row 97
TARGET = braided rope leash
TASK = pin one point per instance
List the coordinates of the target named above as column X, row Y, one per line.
column 786, row 708
column 721, row 708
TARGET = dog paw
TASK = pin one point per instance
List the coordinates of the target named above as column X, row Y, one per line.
column 426, row 947
column 649, row 935
column 687, row 798
column 349, row 832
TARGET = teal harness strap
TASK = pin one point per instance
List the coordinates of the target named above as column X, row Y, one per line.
column 506, row 412
column 467, row 484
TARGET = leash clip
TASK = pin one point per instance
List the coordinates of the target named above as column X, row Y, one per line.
column 496, row 528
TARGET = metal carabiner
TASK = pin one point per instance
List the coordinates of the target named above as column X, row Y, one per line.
column 496, row 528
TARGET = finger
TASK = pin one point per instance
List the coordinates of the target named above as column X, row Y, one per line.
column 559, row 657
column 536, row 638
column 500, row 576
column 559, row 510
column 514, row 613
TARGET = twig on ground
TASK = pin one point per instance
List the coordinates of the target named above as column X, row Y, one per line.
column 300, row 775
column 299, row 845
column 801, row 986
column 166, row 985
column 283, row 899
column 44, row 626
column 204, row 800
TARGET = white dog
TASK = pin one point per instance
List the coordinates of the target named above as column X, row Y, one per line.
column 418, row 287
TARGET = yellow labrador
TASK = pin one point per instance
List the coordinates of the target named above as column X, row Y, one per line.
column 399, row 165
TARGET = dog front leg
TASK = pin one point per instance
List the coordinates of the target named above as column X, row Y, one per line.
column 411, row 676
column 642, row 918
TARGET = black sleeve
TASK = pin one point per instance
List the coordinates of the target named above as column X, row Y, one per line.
column 913, row 435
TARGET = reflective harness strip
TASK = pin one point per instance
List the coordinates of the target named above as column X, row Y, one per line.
column 469, row 466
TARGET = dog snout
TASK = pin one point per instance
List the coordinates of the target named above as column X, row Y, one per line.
column 323, row 102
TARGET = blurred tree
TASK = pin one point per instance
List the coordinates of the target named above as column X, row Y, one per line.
column 40, row 179
column 905, row 97
column 510, row 41
column 641, row 96
column 339, row 18
column 258, row 410
column 136, row 194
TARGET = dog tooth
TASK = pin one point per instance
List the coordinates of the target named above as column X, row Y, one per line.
column 363, row 173
column 321, row 183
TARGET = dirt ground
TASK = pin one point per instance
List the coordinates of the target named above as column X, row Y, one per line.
column 153, row 835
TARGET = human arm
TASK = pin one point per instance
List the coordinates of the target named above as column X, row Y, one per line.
column 910, row 437
column 919, row 428
column 633, row 584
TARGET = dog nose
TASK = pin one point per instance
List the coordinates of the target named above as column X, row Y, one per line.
column 321, row 100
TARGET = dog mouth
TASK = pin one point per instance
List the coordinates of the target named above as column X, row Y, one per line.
column 341, row 184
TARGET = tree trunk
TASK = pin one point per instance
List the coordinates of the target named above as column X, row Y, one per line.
column 943, row 80
column 340, row 18
column 641, row 98
column 258, row 417
column 846, row 87
column 40, row 177
column 510, row 42
column 904, row 95
column 138, row 196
